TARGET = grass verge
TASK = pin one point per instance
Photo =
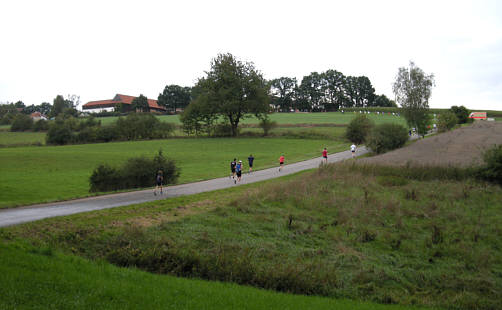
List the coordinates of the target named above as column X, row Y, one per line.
column 339, row 231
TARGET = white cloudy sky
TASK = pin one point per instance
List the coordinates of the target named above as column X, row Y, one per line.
column 96, row 49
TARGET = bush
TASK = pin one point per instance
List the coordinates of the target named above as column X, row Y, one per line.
column 223, row 130
column 136, row 172
column 446, row 121
column 461, row 113
column 21, row 122
column 267, row 125
column 8, row 118
column 358, row 129
column 386, row 137
column 41, row 125
column 492, row 168
column 59, row 133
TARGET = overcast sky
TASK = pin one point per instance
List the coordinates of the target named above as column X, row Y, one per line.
column 96, row 49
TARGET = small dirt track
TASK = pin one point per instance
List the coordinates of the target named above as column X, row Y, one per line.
column 461, row 147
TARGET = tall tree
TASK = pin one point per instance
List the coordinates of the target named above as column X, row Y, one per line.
column 413, row 89
column 359, row 91
column 283, row 91
column 140, row 104
column 312, row 89
column 333, row 86
column 58, row 106
column 383, row 101
column 235, row 88
column 174, row 97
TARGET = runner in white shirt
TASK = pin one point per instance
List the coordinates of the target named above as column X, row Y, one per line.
column 353, row 149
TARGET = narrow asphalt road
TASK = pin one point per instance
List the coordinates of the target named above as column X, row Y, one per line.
column 21, row 215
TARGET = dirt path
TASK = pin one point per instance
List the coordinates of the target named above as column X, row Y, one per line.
column 461, row 147
column 37, row 212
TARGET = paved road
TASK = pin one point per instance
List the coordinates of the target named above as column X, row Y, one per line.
column 37, row 212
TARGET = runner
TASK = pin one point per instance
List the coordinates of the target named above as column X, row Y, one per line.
column 250, row 162
column 281, row 162
column 325, row 156
column 232, row 168
column 353, row 150
column 159, row 178
column 238, row 169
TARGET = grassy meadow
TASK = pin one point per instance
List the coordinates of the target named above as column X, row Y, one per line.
column 8, row 138
column 42, row 278
column 39, row 174
column 385, row 235
column 292, row 118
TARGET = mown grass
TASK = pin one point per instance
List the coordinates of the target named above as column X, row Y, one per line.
column 42, row 278
column 38, row 174
column 293, row 118
column 340, row 231
column 8, row 138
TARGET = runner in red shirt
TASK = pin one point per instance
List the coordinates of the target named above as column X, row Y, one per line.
column 325, row 156
column 281, row 162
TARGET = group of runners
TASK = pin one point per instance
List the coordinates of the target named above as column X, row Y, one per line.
column 236, row 167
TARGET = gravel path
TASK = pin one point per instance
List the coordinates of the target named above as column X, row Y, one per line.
column 21, row 215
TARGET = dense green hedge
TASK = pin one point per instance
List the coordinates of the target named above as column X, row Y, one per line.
column 133, row 127
column 358, row 129
column 137, row 172
column 386, row 137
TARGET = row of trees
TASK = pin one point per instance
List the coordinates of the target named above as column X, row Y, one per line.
column 136, row 126
column 61, row 105
column 326, row 91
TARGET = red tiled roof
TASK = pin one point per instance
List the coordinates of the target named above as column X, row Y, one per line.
column 99, row 103
column 120, row 99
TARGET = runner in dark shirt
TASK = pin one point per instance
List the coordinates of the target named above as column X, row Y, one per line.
column 250, row 161
column 232, row 168
column 159, row 179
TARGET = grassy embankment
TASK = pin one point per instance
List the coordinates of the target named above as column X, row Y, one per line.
column 413, row 237
column 41, row 278
column 38, row 174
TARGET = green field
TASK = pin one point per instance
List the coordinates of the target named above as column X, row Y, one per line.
column 41, row 278
column 39, row 174
column 372, row 235
column 8, row 138
column 292, row 118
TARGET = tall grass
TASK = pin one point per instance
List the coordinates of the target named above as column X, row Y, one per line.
column 43, row 278
column 342, row 231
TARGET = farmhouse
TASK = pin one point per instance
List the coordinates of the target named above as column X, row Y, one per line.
column 124, row 100
column 36, row 116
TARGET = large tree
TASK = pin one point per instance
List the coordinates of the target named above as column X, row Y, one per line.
column 359, row 91
column 413, row 89
column 174, row 97
column 140, row 104
column 333, row 86
column 312, row 89
column 283, row 93
column 234, row 89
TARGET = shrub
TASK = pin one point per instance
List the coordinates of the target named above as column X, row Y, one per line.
column 223, row 130
column 59, row 133
column 41, row 125
column 21, row 122
column 492, row 168
column 386, row 137
column 136, row 172
column 107, row 134
column 358, row 129
column 267, row 125
column 461, row 113
column 8, row 118
column 446, row 121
